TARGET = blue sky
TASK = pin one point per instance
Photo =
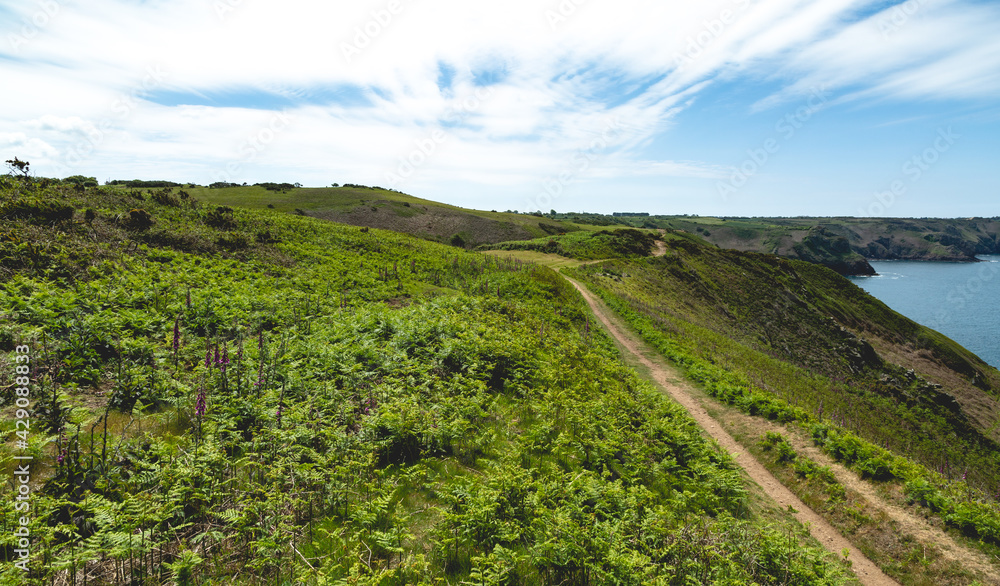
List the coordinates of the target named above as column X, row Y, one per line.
column 732, row 107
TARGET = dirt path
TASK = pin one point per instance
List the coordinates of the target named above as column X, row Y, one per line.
column 661, row 246
column 867, row 572
column 909, row 523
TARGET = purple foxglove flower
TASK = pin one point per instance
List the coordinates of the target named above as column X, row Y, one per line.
column 200, row 405
column 177, row 334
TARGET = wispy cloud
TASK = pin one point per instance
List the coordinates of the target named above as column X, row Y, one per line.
column 556, row 77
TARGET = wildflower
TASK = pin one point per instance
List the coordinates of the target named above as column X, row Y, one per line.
column 200, row 406
column 208, row 359
column 224, row 360
column 278, row 415
column 177, row 334
column 62, row 457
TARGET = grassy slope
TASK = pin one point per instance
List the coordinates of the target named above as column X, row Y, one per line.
column 802, row 336
column 379, row 409
column 586, row 245
column 379, row 208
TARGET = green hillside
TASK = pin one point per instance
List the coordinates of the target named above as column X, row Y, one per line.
column 795, row 343
column 390, row 210
column 842, row 244
column 237, row 396
column 812, row 338
column 585, row 245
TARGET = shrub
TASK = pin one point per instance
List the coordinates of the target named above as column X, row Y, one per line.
column 139, row 220
column 165, row 197
column 784, row 450
column 876, row 467
column 233, row 241
column 922, row 492
column 38, row 210
column 221, row 218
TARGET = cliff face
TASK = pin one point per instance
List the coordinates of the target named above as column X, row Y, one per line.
column 846, row 244
column 823, row 247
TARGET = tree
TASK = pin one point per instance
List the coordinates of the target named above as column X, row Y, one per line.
column 81, row 181
column 19, row 168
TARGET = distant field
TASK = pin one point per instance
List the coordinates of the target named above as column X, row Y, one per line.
column 871, row 238
column 391, row 210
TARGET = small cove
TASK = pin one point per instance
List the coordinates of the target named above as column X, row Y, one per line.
column 960, row 300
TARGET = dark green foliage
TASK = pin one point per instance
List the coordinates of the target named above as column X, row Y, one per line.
column 165, row 197
column 281, row 187
column 221, row 218
column 36, row 210
column 80, row 180
column 140, row 183
column 585, row 245
column 138, row 220
column 233, row 241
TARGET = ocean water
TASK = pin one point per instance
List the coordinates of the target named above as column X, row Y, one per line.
column 960, row 300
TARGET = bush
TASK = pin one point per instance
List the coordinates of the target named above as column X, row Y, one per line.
column 233, row 241
column 139, row 220
column 166, row 198
column 221, row 218
column 877, row 468
column 37, row 210
column 784, row 450
column 922, row 492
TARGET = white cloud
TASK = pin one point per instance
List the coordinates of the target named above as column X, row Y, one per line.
column 84, row 78
column 19, row 144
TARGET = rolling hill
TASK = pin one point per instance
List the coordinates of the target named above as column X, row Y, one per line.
column 390, row 210
column 249, row 395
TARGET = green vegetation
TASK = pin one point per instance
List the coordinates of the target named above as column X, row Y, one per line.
column 842, row 244
column 375, row 207
column 819, row 476
column 880, row 536
column 232, row 396
column 583, row 245
column 796, row 343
